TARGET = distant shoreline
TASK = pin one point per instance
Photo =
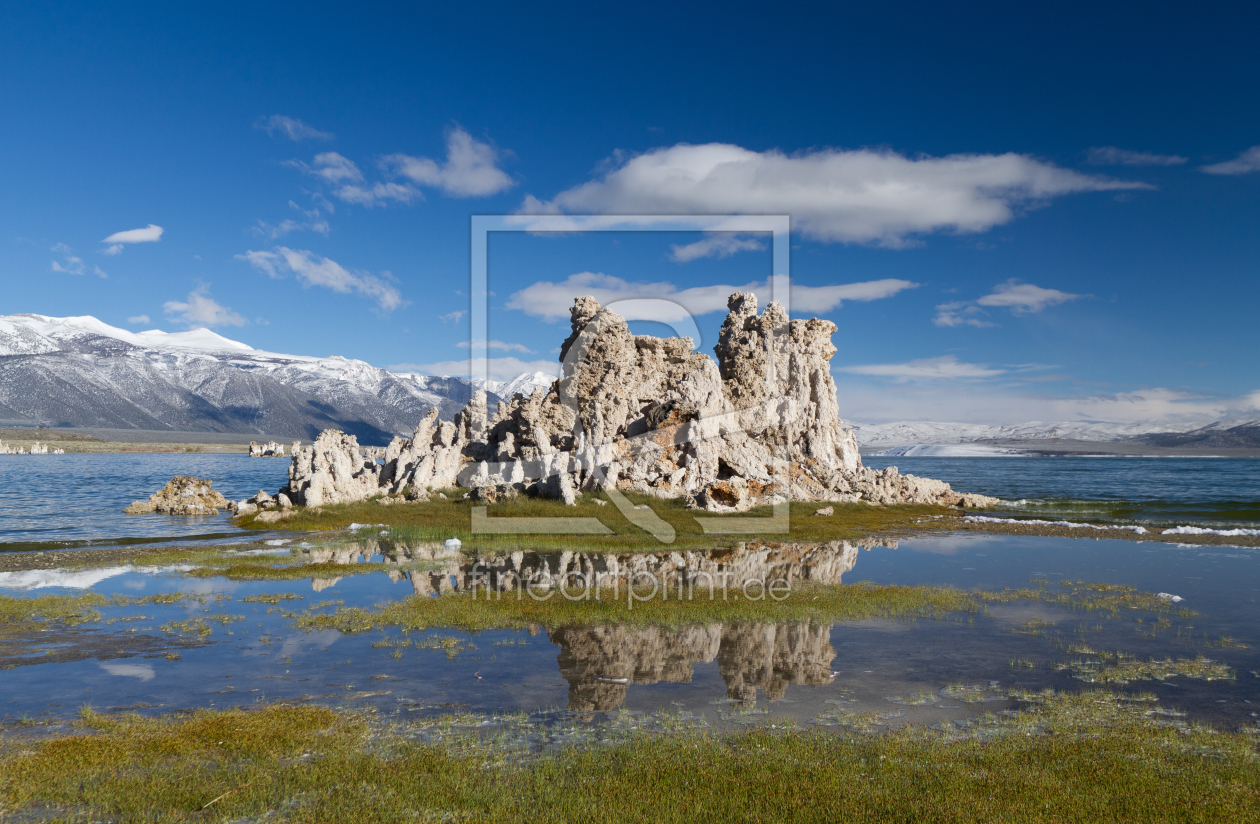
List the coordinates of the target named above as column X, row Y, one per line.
column 1063, row 448
column 141, row 441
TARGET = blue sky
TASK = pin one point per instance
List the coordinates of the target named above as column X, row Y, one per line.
column 1039, row 214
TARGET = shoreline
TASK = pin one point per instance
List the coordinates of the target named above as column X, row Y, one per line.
column 20, row 561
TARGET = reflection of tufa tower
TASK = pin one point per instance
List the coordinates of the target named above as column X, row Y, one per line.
column 769, row 656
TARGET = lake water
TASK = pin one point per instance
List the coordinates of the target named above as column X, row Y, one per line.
column 864, row 674
column 66, row 501
column 219, row 649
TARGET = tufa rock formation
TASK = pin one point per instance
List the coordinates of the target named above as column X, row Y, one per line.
column 270, row 449
column 636, row 412
column 184, row 495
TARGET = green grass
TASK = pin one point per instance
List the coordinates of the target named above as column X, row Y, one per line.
column 439, row 519
column 488, row 611
column 1088, row 757
column 22, row 615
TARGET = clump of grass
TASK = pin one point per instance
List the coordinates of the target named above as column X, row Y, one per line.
column 272, row 598
column 515, row 609
column 23, row 615
column 448, row 644
column 1118, row 668
column 973, row 693
column 266, row 569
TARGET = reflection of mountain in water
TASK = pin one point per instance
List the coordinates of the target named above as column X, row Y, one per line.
column 596, row 660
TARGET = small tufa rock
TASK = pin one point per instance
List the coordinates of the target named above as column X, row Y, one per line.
column 184, row 495
column 826, row 510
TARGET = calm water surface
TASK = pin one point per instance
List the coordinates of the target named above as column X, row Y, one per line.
column 52, row 501
column 721, row 674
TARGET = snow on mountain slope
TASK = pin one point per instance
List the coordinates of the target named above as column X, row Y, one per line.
column 526, row 383
column 82, row 372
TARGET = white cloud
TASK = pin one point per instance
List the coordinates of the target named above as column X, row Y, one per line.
column 378, row 192
column 99, row 272
column 1248, row 161
column 960, row 313
column 149, row 234
column 499, row 345
column 1019, row 298
column 471, row 168
column 312, row 270
column 138, row 319
column 858, row 196
column 1022, row 298
column 718, row 245
column 972, row 402
column 284, row 227
column 1111, row 156
column 202, row 310
column 331, row 167
column 551, row 301
column 452, row 317
column 947, row 367
column 291, row 128
column 73, row 266
column 500, row 369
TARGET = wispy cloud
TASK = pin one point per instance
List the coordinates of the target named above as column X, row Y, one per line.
column 499, row 345
column 1019, row 298
column 314, row 222
column 996, row 403
column 717, row 245
column 201, row 310
column 311, row 269
column 1022, row 298
column 1111, row 156
column 853, row 196
column 118, row 240
column 291, row 128
column 1245, row 163
column 499, row 369
column 551, row 301
column 137, row 319
column 452, row 317
column 960, row 313
column 947, row 367
column 73, row 266
column 471, row 168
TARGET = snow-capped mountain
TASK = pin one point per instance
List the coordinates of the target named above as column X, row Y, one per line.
column 83, row 372
column 526, row 383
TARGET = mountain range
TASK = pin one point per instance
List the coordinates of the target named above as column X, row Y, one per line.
column 81, row 372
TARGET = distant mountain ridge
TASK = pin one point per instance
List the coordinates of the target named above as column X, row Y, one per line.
column 1216, row 435
column 81, row 372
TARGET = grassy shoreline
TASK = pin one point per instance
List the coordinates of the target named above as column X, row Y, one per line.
column 1094, row 756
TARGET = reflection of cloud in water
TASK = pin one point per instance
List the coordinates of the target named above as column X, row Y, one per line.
column 142, row 671
column 70, row 579
column 320, row 640
column 951, row 544
column 206, row 586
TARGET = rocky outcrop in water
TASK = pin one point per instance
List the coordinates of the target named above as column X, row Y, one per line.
column 759, row 425
column 270, row 449
column 183, row 495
